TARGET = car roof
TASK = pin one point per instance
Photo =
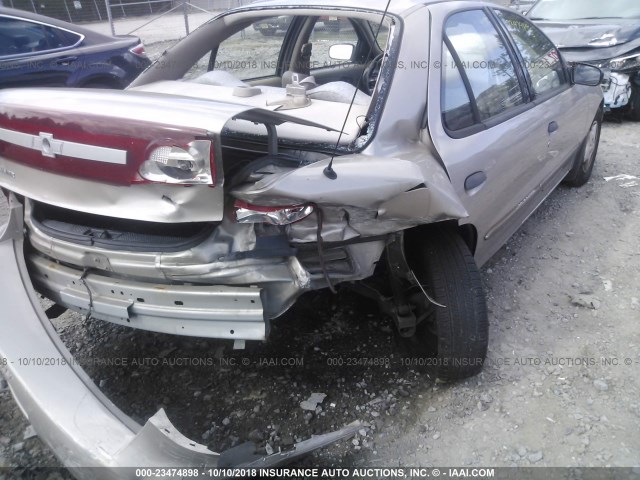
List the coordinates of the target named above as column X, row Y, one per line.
column 397, row 7
column 90, row 35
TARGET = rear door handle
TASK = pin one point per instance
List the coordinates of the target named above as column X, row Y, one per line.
column 553, row 127
column 474, row 180
column 65, row 61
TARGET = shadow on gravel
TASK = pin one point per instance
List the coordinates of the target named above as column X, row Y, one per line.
column 338, row 345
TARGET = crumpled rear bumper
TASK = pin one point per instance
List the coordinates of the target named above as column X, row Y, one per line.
column 70, row 414
column 204, row 311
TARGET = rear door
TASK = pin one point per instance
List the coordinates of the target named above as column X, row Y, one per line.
column 35, row 54
column 492, row 135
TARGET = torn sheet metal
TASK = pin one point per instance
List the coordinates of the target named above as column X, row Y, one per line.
column 300, row 449
column 367, row 182
column 363, row 181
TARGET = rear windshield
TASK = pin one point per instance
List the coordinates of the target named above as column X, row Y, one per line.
column 584, row 9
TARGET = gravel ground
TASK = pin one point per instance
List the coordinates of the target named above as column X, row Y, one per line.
column 563, row 295
column 564, row 305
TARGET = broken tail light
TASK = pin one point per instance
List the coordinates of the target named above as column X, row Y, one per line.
column 281, row 215
column 139, row 50
column 189, row 164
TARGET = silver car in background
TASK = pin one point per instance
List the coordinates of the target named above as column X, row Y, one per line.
column 393, row 156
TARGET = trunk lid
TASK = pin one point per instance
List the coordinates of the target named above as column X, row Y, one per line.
column 83, row 149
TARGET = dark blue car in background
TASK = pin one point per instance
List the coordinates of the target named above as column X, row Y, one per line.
column 40, row 51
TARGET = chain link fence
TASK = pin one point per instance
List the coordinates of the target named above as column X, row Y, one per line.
column 86, row 11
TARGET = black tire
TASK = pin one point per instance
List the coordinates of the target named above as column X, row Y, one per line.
column 586, row 157
column 268, row 32
column 454, row 338
column 634, row 103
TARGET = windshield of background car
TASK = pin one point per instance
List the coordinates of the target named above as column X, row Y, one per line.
column 561, row 10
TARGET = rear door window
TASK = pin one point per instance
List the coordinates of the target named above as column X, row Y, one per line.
column 486, row 63
column 457, row 112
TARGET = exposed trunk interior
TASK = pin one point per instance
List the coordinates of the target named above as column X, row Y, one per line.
column 117, row 233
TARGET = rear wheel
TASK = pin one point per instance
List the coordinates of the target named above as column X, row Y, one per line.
column 268, row 32
column 452, row 339
column 584, row 161
column 634, row 104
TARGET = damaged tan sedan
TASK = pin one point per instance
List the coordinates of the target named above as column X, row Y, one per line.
column 392, row 155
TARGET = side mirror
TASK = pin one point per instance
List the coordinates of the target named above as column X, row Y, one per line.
column 341, row 51
column 586, row 74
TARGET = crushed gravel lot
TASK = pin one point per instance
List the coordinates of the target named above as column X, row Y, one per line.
column 560, row 387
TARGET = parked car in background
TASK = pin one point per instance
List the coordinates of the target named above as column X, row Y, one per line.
column 334, row 23
column 40, row 51
column 603, row 33
column 521, row 6
column 241, row 171
column 270, row 26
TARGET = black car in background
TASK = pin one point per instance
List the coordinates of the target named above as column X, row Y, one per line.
column 602, row 33
column 270, row 26
column 40, row 51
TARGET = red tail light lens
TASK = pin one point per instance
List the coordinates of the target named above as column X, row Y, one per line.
column 139, row 50
column 282, row 215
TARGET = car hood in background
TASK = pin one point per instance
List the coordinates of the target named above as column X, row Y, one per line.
column 587, row 34
column 586, row 41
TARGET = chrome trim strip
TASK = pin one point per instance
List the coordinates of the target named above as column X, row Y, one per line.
column 50, row 147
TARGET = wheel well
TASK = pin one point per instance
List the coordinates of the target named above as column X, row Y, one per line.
column 601, row 111
column 467, row 232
